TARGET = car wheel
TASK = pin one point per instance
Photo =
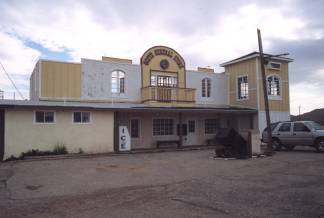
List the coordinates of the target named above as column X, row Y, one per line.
column 276, row 145
column 320, row 145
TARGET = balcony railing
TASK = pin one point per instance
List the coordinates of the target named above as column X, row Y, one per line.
column 168, row 94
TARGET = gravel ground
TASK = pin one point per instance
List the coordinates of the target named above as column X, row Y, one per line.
column 169, row 184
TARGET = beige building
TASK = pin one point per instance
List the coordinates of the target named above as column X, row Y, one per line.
column 159, row 101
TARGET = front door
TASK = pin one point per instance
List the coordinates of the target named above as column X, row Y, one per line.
column 302, row 135
column 191, row 138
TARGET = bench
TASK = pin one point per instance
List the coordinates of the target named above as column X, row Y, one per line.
column 212, row 141
column 167, row 142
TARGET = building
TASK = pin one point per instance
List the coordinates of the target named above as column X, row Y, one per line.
column 82, row 105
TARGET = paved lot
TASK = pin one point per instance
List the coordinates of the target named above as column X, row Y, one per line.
column 170, row 184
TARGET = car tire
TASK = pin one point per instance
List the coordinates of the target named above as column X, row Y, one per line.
column 320, row 145
column 276, row 144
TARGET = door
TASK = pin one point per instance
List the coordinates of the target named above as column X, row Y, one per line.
column 2, row 129
column 302, row 134
column 284, row 133
column 191, row 138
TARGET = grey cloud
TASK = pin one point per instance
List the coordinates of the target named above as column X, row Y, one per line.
column 307, row 54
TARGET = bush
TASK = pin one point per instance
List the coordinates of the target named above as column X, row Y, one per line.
column 80, row 151
column 60, row 149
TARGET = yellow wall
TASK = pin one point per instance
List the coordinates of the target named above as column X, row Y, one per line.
column 117, row 60
column 247, row 67
column 250, row 68
column 154, row 65
column 60, row 79
column 22, row 134
column 277, row 105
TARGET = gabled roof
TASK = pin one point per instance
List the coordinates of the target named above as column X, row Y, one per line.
column 254, row 55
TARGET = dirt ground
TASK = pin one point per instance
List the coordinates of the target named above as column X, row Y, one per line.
column 168, row 184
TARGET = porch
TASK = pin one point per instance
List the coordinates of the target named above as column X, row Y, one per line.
column 151, row 128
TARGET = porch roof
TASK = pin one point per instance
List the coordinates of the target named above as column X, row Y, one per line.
column 121, row 106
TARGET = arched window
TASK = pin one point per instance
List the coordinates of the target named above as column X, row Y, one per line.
column 118, row 81
column 205, row 87
column 273, row 83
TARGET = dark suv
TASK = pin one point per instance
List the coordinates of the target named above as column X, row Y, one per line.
column 289, row 134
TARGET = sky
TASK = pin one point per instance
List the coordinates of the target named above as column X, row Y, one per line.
column 204, row 32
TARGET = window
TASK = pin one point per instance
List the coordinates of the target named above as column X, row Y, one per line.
column 165, row 81
column 162, row 127
column 135, row 128
column 81, row 117
column 205, row 87
column 300, row 127
column 274, row 65
column 242, row 87
column 192, row 126
column 211, row 126
column 273, row 84
column 118, row 82
column 44, row 117
column 285, row 127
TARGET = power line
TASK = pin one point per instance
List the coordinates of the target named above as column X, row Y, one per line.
column 12, row 82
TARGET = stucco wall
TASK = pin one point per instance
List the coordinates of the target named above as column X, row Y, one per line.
column 219, row 87
column 96, row 81
column 22, row 134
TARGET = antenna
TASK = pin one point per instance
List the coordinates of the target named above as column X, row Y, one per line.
column 299, row 107
column 12, row 82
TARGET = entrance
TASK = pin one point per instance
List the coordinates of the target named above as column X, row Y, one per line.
column 191, row 138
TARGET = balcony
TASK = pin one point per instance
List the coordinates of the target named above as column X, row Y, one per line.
column 168, row 94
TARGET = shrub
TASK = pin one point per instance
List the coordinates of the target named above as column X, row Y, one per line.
column 80, row 151
column 60, row 148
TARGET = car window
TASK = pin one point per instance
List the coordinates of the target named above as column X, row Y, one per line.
column 300, row 127
column 285, row 127
column 272, row 126
column 314, row 125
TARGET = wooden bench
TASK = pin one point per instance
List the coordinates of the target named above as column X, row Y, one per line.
column 167, row 142
column 212, row 141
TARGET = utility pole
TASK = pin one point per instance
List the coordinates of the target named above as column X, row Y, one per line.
column 299, row 112
column 265, row 94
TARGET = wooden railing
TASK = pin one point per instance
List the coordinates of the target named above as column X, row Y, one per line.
column 168, row 94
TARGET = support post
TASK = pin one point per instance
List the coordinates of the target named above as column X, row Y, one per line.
column 180, row 130
column 116, row 131
column 265, row 94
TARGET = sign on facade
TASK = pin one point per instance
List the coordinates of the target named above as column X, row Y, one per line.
column 124, row 139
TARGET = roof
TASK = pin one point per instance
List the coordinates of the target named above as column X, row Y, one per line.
column 119, row 106
column 254, row 55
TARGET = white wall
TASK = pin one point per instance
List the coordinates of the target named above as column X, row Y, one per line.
column 96, row 80
column 275, row 116
column 22, row 134
column 219, row 87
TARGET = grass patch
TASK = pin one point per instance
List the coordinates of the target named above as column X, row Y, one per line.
column 58, row 149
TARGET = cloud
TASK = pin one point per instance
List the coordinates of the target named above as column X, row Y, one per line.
column 307, row 95
column 206, row 33
column 18, row 60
